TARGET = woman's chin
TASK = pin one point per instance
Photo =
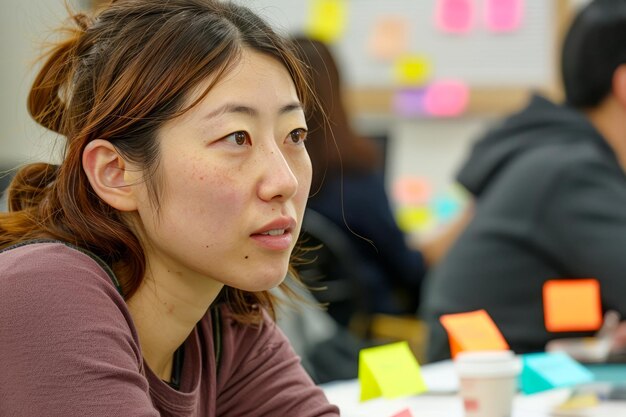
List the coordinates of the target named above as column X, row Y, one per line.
column 266, row 282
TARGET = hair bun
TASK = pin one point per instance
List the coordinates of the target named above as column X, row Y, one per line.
column 83, row 21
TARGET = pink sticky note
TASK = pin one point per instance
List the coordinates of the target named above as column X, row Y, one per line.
column 454, row 16
column 403, row 413
column 504, row 15
column 409, row 102
column 446, row 98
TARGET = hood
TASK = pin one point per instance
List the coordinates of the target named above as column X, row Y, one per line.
column 540, row 123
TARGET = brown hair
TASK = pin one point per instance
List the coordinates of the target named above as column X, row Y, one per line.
column 334, row 147
column 119, row 76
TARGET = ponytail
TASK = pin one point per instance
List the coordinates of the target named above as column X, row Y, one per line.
column 47, row 107
column 32, row 184
column 46, row 103
column 29, row 184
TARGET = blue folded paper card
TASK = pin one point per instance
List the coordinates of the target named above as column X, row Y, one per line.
column 544, row 371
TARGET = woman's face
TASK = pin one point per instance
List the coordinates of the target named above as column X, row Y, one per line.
column 235, row 176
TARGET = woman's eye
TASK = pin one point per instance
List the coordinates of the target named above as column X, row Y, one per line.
column 298, row 136
column 238, row 138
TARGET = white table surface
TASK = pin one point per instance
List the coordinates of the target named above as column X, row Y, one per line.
column 442, row 400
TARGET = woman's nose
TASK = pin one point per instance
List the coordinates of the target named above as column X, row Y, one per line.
column 278, row 180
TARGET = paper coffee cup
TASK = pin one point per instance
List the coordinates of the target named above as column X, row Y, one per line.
column 488, row 382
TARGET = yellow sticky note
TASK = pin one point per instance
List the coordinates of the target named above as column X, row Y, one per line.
column 471, row 331
column 571, row 305
column 327, row 20
column 415, row 219
column 390, row 371
column 413, row 70
column 389, row 38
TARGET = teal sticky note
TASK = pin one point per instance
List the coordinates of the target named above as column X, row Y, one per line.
column 544, row 371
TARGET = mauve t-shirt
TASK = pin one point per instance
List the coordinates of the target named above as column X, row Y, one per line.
column 68, row 347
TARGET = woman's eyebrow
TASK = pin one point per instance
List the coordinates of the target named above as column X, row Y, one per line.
column 251, row 111
column 295, row 106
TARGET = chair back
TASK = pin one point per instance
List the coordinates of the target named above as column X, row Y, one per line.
column 334, row 270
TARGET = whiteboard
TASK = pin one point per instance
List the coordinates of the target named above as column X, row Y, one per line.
column 524, row 58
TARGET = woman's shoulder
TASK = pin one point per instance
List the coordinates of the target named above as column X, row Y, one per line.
column 65, row 331
column 51, row 265
column 46, row 280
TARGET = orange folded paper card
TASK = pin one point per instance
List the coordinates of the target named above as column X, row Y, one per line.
column 470, row 331
column 571, row 305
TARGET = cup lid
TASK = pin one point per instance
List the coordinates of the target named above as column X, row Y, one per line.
column 488, row 363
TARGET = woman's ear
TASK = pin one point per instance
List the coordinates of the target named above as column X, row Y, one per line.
column 106, row 171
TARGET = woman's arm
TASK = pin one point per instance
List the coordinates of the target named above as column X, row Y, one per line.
column 66, row 345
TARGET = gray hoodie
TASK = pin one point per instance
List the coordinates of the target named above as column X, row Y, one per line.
column 550, row 203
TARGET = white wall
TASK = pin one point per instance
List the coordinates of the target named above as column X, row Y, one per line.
column 423, row 147
column 24, row 26
column 431, row 148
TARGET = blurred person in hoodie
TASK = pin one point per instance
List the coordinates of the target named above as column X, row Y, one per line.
column 550, row 197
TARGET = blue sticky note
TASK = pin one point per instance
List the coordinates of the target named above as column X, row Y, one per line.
column 446, row 207
column 544, row 371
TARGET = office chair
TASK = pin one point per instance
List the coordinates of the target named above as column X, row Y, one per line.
column 333, row 269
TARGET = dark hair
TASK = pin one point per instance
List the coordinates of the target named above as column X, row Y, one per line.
column 594, row 47
column 119, row 76
column 333, row 145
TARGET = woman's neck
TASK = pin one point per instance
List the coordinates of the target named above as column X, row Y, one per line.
column 165, row 311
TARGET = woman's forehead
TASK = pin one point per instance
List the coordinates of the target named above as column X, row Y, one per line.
column 253, row 80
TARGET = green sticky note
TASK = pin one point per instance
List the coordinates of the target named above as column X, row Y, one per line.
column 389, row 371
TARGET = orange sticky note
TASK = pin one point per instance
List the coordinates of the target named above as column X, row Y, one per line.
column 412, row 190
column 389, row 38
column 472, row 331
column 572, row 305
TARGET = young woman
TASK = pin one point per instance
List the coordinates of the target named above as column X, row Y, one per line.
column 134, row 276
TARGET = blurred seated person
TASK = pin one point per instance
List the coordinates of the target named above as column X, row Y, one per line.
column 550, row 197
column 348, row 188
